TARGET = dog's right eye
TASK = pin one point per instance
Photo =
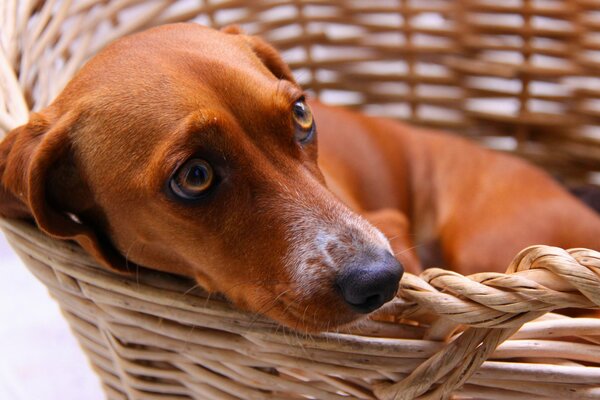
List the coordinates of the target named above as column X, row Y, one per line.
column 303, row 119
column 192, row 179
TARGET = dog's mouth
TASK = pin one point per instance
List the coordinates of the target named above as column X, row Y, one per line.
column 318, row 314
column 313, row 317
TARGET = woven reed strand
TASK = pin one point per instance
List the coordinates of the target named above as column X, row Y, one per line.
column 520, row 78
column 151, row 334
column 429, row 62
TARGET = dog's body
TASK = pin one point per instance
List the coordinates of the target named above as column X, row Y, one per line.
column 468, row 209
column 193, row 151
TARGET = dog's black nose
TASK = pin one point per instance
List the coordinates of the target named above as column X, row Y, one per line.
column 370, row 282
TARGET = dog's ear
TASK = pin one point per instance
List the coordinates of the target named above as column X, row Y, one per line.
column 35, row 181
column 265, row 52
column 10, row 204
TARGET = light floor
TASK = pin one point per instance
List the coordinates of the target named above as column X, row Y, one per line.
column 39, row 358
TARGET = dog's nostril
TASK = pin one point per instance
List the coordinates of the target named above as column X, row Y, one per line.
column 367, row 285
column 372, row 302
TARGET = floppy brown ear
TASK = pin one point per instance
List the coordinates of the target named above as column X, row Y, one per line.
column 267, row 53
column 11, row 205
column 34, row 179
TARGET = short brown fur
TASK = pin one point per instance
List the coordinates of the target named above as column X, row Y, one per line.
column 92, row 167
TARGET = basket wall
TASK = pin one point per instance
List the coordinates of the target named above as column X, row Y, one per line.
column 517, row 75
column 157, row 336
column 520, row 75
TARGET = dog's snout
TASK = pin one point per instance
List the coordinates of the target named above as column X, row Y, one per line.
column 368, row 284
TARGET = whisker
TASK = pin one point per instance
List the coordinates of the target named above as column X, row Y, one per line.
column 257, row 281
column 393, row 237
column 270, row 304
column 137, row 267
column 208, row 298
column 197, row 285
column 304, row 315
column 400, row 234
column 409, row 249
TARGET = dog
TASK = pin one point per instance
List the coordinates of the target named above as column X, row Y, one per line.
column 193, row 151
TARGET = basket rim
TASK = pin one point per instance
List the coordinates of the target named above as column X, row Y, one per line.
column 153, row 291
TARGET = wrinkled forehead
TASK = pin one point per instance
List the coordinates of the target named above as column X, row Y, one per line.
column 175, row 70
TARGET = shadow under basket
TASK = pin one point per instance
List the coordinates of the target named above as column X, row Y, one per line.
column 519, row 77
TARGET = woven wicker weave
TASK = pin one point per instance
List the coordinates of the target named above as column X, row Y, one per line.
column 517, row 75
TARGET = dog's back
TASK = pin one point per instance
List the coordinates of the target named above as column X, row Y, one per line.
column 478, row 206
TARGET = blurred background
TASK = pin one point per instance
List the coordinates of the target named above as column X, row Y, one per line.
column 39, row 358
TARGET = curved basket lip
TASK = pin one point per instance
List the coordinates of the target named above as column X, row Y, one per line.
column 157, row 312
column 155, row 289
column 164, row 289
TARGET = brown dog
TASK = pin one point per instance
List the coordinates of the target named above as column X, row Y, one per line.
column 193, row 151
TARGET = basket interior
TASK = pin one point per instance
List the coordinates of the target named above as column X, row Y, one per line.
column 519, row 75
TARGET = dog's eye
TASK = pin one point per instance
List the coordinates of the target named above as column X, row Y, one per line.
column 303, row 119
column 192, row 179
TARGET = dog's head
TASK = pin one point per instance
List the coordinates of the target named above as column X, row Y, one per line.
column 193, row 151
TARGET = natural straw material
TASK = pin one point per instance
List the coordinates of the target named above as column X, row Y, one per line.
column 515, row 75
column 152, row 336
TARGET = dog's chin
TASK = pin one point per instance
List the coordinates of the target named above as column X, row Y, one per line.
column 315, row 320
column 296, row 309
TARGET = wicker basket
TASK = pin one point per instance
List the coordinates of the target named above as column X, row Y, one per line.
column 516, row 75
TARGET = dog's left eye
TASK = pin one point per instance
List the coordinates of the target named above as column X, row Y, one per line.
column 192, row 179
column 303, row 119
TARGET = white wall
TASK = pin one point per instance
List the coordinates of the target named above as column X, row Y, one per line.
column 39, row 358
